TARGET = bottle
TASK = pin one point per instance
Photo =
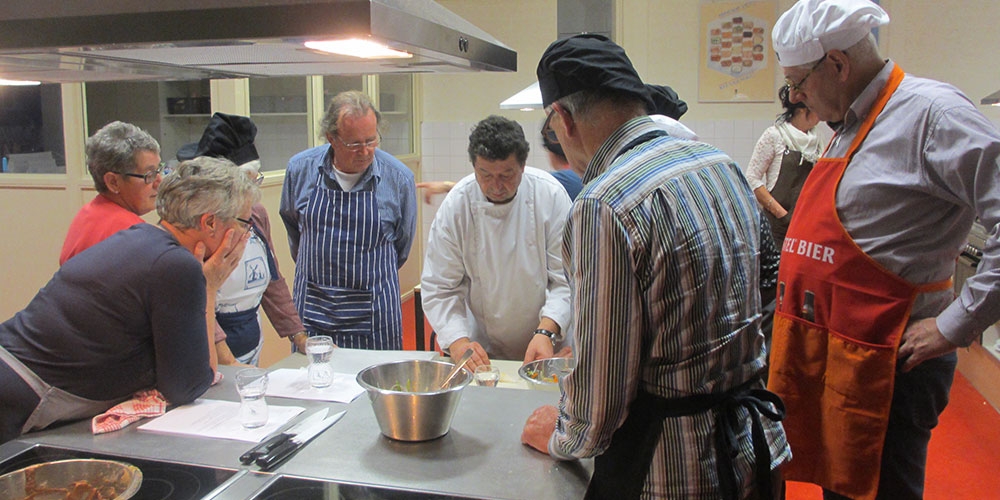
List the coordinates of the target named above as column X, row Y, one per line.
column 808, row 313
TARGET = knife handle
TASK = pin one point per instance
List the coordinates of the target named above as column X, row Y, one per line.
column 276, row 455
column 262, row 448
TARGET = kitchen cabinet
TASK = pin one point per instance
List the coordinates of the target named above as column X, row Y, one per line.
column 395, row 102
column 280, row 109
column 174, row 113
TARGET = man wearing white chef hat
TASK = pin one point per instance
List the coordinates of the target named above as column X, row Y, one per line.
column 867, row 323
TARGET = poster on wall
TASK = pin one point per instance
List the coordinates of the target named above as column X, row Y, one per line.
column 736, row 59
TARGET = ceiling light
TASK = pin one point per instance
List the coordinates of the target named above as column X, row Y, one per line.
column 17, row 83
column 354, row 47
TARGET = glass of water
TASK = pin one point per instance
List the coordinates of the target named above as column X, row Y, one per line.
column 252, row 384
column 487, row 375
column 320, row 351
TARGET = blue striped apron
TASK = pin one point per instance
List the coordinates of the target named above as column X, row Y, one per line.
column 346, row 282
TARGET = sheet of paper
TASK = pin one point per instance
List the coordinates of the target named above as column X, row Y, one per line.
column 218, row 419
column 508, row 374
column 294, row 383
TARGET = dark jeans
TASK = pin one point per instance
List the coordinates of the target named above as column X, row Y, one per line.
column 918, row 398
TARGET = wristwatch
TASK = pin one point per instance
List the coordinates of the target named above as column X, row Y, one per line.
column 553, row 336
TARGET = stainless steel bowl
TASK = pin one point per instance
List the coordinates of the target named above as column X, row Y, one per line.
column 408, row 404
column 546, row 373
column 78, row 478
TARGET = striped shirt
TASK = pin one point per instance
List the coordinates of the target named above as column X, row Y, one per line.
column 661, row 251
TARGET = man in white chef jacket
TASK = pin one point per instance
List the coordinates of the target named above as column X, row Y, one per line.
column 493, row 276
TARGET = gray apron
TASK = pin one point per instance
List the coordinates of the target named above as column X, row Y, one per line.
column 346, row 283
column 791, row 176
column 55, row 404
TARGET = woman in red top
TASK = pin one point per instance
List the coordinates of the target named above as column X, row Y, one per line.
column 124, row 162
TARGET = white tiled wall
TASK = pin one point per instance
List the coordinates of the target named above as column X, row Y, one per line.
column 444, row 155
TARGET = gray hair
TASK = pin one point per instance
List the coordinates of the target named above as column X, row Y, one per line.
column 113, row 149
column 581, row 104
column 201, row 186
column 865, row 50
column 348, row 103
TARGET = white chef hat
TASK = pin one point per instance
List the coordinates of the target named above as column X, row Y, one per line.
column 812, row 28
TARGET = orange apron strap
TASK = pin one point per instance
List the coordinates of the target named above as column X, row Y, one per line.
column 936, row 286
column 883, row 97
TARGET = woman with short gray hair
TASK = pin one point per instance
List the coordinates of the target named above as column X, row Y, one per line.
column 124, row 162
column 132, row 312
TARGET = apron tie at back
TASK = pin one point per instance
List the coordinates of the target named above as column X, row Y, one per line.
column 727, row 425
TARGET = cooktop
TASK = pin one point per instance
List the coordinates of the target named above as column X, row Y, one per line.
column 293, row 488
column 160, row 480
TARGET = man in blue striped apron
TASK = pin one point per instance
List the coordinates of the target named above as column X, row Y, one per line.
column 350, row 212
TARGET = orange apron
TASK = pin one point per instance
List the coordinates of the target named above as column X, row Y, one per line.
column 839, row 320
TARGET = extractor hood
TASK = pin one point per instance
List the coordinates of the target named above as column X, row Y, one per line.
column 62, row 41
column 992, row 99
column 572, row 17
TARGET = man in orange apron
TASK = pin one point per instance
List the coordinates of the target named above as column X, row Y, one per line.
column 866, row 322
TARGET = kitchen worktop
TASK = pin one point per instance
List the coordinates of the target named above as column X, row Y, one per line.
column 481, row 456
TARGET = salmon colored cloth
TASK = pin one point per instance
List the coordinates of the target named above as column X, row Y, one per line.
column 144, row 404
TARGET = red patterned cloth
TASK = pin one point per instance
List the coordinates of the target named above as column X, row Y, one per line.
column 149, row 403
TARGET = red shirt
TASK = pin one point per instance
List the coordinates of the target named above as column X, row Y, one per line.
column 93, row 223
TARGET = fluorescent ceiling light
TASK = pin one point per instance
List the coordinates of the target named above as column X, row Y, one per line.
column 526, row 100
column 17, row 83
column 355, row 47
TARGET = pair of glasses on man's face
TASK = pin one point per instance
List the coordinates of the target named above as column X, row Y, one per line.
column 357, row 147
column 150, row 176
column 547, row 133
column 797, row 87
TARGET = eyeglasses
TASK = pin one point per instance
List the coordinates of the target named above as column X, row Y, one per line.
column 247, row 224
column 150, row 176
column 259, row 179
column 797, row 87
column 357, row 147
column 547, row 133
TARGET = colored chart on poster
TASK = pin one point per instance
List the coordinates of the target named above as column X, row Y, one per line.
column 737, row 58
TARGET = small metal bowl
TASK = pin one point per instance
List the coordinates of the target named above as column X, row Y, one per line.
column 408, row 402
column 546, row 373
column 77, row 478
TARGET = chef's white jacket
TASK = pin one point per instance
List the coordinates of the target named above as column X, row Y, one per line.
column 491, row 272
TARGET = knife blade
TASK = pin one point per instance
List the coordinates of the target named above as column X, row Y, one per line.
column 282, row 436
column 284, row 450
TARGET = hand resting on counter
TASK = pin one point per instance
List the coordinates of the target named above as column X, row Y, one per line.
column 539, row 428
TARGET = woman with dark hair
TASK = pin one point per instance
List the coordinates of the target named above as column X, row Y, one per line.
column 781, row 161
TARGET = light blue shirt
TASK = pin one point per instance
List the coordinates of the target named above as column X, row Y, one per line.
column 395, row 192
column 928, row 168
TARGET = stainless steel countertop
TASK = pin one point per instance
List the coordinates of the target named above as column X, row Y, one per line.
column 481, row 456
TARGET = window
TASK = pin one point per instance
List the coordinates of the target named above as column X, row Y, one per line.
column 31, row 129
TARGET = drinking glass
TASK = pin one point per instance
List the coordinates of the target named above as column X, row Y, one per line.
column 252, row 384
column 487, row 375
column 320, row 351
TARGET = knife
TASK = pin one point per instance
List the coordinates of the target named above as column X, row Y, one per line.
column 281, row 437
column 288, row 448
